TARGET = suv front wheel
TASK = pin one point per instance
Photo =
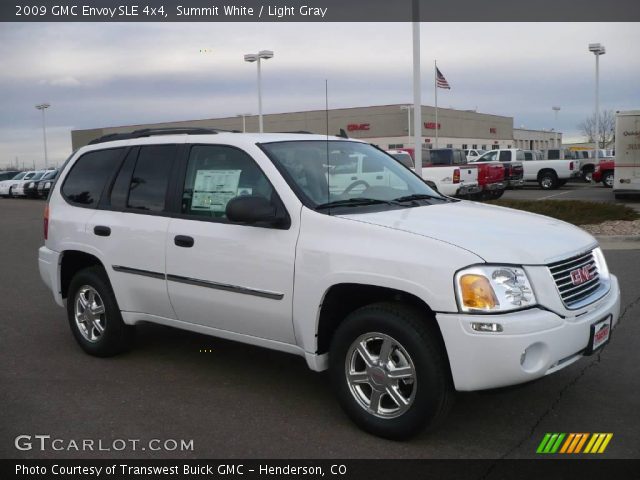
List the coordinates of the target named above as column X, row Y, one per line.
column 389, row 370
column 94, row 315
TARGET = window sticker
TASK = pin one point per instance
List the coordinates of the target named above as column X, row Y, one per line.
column 214, row 188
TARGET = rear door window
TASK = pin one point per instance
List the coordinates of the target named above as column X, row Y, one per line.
column 85, row 182
column 150, row 179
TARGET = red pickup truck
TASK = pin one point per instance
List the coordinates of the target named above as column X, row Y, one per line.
column 603, row 172
column 491, row 179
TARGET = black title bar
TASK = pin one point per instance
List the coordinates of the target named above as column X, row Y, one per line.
column 321, row 11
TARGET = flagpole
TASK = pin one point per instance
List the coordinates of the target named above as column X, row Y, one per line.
column 435, row 90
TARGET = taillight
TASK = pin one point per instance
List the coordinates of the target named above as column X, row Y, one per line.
column 570, row 165
column 46, row 222
column 456, row 175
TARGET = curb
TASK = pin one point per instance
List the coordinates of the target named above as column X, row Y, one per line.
column 619, row 242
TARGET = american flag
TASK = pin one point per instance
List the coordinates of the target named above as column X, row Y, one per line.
column 441, row 81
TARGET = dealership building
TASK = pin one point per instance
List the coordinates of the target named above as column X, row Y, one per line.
column 384, row 125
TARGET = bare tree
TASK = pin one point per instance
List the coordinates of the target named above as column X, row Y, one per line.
column 607, row 127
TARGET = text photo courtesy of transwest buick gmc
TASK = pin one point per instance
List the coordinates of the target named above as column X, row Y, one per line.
column 405, row 295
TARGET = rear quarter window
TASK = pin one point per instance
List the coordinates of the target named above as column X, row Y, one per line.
column 85, row 182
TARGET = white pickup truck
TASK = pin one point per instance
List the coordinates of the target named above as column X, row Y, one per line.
column 446, row 169
column 449, row 170
column 549, row 174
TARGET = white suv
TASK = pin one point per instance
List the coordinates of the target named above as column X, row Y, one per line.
column 402, row 294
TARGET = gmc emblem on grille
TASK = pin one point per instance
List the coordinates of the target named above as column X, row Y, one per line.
column 580, row 275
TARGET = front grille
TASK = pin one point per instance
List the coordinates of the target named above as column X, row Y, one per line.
column 561, row 271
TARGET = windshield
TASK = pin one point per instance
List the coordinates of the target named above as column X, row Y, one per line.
column 38, row 176
column 49, row 175
column 347, row 174
column 19, row 176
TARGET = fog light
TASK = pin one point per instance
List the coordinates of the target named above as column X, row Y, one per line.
column 486, row 327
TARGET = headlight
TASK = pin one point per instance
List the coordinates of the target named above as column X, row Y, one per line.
column 30, row 185
column 47, row 185
column 601, row 264
column 493, row 288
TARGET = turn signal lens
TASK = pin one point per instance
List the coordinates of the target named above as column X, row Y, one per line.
column 477, row 292
column 456, row 175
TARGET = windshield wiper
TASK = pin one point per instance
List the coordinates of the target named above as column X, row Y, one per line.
column 354, row 202
column 419, row 196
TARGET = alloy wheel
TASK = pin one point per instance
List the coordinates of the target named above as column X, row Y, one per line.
column 381, row 375
column 90, row 313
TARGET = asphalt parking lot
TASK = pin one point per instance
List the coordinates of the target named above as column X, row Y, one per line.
column 574, row 190
column 238, row 401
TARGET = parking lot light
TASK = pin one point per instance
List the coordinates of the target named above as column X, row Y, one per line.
column 42, row 107
column 597, row 49
column 256, row 57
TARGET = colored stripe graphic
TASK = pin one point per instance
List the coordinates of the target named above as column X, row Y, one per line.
column 573, row 443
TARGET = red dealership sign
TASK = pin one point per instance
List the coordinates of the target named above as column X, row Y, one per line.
column 431, row 125
column 493, row 130
column 352, row 127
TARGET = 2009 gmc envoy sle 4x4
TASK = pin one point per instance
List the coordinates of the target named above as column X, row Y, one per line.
column 403, row 294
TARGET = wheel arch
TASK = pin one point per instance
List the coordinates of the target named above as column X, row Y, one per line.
column 544, row 171
column 342, row 299
column 71, row 262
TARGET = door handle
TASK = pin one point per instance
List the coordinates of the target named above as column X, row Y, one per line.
column 183, row 241
column 379, row 177
column 102, row 231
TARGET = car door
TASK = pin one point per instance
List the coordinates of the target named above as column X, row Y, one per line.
column 231, row 277
column 130, row 228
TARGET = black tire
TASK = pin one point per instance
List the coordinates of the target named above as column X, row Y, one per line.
column 10, row 192
column 417, row 335
column 548, row 181
column 587, row 174
column 116, row 336
column 607, row 179
column 496, row 194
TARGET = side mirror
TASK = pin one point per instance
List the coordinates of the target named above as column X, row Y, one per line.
column 253, row 209
column 432, row 185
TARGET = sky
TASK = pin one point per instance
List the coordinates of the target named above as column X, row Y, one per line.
column 108, row 74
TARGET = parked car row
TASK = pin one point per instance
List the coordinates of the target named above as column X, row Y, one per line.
column 486, row 174
column 31, row 184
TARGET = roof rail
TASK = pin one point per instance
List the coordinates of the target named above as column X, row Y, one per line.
column 149, row 132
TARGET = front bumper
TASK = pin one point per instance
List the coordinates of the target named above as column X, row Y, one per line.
column 534, row 343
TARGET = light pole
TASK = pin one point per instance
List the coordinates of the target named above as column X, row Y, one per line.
column 556, row 110
column 408, row 108
column 42, row 107
column 597, row 50
column 244, row 121
column 256, row 57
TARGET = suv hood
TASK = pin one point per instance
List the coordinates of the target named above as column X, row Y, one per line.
column 497, row 234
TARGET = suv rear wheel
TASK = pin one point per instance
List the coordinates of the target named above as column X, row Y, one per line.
column 94, row 315
column 389, row 370
column 607, row 179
